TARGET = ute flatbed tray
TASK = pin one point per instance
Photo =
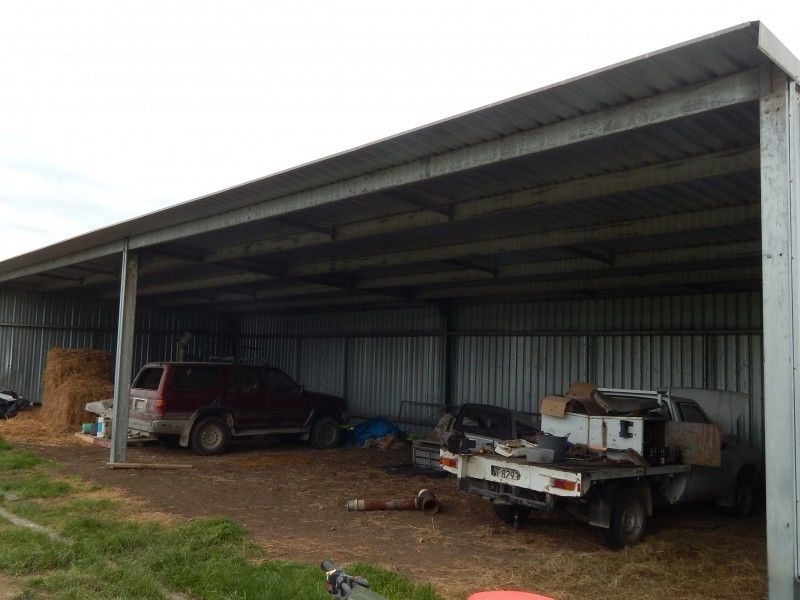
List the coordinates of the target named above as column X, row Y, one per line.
column 590, row 470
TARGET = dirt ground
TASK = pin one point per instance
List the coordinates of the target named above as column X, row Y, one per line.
column 292, row 498
column 9, row 589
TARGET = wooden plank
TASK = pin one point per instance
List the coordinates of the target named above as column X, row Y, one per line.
column 699, row 443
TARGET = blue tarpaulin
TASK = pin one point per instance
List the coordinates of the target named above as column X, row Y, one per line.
column 372, row 429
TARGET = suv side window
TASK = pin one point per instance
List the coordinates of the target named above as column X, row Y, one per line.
column 692, row 414
column 278, row 381
column 243, row 379
column 194, row 377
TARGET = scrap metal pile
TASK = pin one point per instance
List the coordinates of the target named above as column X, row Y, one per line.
column 11, row 403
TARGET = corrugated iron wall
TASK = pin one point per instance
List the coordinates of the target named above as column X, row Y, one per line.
column 31, row 324
column 513, row 354
column 376, row 359
column 385, row 361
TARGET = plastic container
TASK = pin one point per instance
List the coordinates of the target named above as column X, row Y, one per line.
column 558, row 444
column 101, row 427
column 540, row 455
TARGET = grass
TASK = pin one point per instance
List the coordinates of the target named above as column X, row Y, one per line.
column 36, row 485
column 14, row 460
column 122, row 558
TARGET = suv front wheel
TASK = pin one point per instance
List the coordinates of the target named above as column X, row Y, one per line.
column 210, row 436
column 325, row 433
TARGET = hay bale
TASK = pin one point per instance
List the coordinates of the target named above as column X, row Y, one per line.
column 67, row 363
column 71, row 379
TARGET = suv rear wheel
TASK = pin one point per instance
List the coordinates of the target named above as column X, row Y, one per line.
column 210, row 436
column 325, row 433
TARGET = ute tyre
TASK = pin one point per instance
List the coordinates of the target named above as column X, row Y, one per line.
column 325, row 433
column 745, row 495
column 210, row 436
column 506, row 513
column 628, row 519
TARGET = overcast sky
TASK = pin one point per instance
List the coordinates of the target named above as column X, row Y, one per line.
column 112, row 109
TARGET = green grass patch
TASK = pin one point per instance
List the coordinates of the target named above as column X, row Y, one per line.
column 23, row 551
column 112, row 556
column 13, row 460
column 4, row 445
column 35, row 485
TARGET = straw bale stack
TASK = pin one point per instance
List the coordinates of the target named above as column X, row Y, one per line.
column 71, row 379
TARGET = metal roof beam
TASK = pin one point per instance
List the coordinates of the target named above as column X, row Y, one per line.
column 433, row 207
column 654, row 258
column 670, row 279
column 690, row 169
column 300, row 303
column 474, row 264
column 698, row 220
column 679, row 171
column 554, row 289
column 65, row 261
column 328, row 231
column 711, row 95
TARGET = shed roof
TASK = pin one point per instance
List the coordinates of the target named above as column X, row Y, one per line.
column 578, row 187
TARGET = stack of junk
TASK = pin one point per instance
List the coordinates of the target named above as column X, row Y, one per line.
column 73, row 378
column 591, row 424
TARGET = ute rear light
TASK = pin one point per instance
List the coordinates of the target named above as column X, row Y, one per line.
column 563, row 484
column 449, row 462
column 159, row 406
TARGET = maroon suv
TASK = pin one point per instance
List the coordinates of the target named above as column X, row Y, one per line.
column 203, row 405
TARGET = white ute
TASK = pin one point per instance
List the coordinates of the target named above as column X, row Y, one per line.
column 630, row 449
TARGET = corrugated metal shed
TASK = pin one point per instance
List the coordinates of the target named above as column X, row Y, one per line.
column 607, row 227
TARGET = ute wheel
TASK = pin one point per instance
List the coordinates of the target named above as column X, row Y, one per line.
column 210, row 436
column 511, row 514
column 325, row 433
column 745, row 498
column 628, row 519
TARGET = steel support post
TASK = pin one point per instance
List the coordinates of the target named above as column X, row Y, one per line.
column 780, row 223
column 124, row 355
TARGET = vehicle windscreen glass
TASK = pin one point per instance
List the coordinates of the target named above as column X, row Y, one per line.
column 149, row 378
column 194, row 377
column 485, row 420
column 693, row 414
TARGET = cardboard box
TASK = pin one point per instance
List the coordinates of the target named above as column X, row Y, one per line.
column 700, row 443
column 554, row 406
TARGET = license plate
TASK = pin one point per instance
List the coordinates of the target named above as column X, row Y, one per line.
column 506, row 473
